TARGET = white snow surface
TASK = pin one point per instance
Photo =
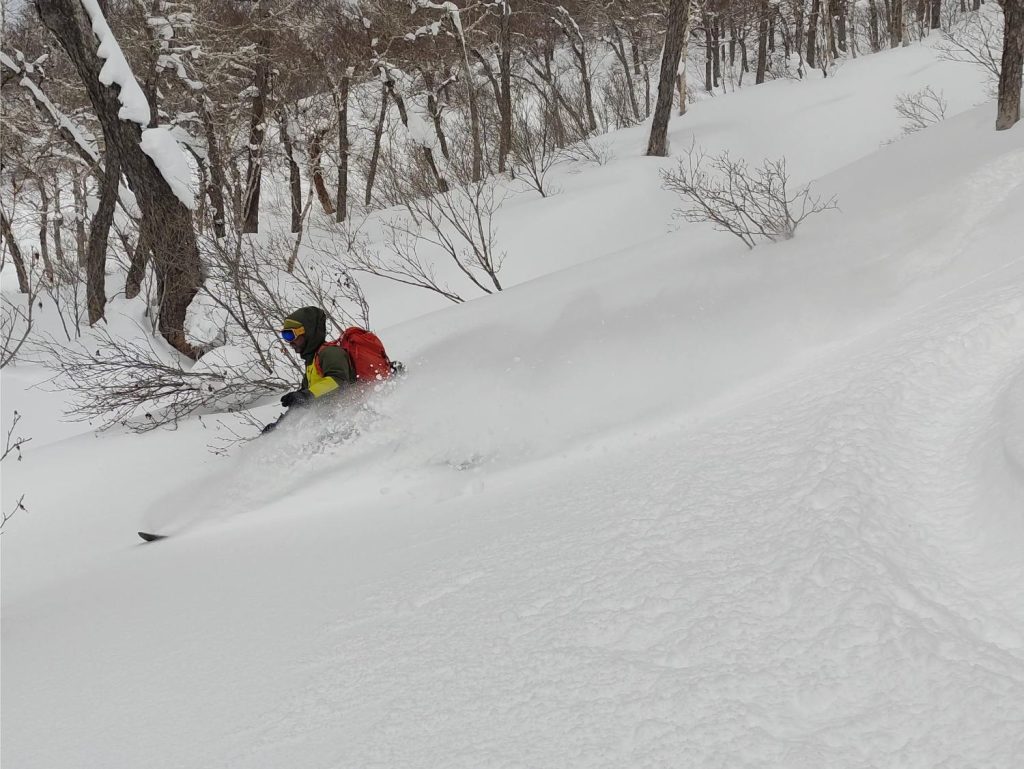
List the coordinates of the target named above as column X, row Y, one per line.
column 663, row 502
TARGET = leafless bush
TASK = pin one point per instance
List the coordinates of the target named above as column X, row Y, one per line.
column 15, row 324
column 12, row 448
column 130, row 382
column 458, row 223
column 921, row 109
column 752, row 204
column 590, row 150
column 138, row 383
column 534, row 153
column 976, row 38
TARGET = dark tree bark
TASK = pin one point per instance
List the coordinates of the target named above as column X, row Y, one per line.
column 812, row 33
column 15, row 249
column 378, row 133
column 716, row 57
column 896, row 24
column 874, row 36
column 58, row 226
column 138, row 259
column 216, row 181
column 428, row 153
column 341, row 211
column 294, row 176
column 257, row 130
column 44, row 230
column 936, row 14
column 81, row 249
column 709, row 56
column 618, row 46
column 762, row 42
column 434, row 108
column 841, row 16
column 578, row 47
column 505, row 92
column 1012, row 66
column 316, row 171
column 640, row 65
column 176, row 255
column 675, row 34
column 99, row 234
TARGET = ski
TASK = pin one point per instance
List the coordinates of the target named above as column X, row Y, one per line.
column 151, row 537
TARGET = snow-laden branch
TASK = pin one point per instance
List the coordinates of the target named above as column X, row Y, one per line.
column 158, row 143
column 85, row 145
column 134, row 105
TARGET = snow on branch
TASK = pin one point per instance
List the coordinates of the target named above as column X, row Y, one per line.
column 158, row 143
column 85, row 145
column 134, row 105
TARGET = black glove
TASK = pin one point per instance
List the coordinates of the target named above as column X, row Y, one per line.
column 299, row 399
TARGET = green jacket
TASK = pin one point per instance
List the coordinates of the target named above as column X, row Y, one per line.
column 327, row 368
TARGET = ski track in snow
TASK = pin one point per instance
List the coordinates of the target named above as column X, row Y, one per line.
column 791, row 592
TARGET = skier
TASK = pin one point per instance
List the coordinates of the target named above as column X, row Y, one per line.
column 328, row 367
column 357, row 355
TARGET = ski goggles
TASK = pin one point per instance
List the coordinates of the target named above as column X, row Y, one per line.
column 289, row 334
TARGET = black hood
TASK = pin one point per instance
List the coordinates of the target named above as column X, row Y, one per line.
column 314, row 321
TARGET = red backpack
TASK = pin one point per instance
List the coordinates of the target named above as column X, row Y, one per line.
column 367, row 353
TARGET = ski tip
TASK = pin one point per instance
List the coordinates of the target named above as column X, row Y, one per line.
column 151, row 537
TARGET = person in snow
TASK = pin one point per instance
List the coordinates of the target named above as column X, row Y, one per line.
column 328, row 367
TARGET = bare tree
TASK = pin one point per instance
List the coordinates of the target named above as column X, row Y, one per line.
column 1012, row 64
column 175, row 253
column 921, row 109
column 12, row 448
column 752, row 204
column 675, row 34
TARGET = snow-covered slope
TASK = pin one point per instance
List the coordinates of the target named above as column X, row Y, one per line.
column 666, row 502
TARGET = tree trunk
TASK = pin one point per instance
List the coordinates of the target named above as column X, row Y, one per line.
column 762, row 42
column 316, row 171
column 1012, row 70
column 81, row 249
column 709, row 55
column 257, row 130
column 137, row 263
column 428, row 153
column 681, row 78
column 716, row 57
column 842, row 30
column 99, row 234
column 936, row 14
column 812, row 33
column 474, row 118
column 896, row 24
column 619, row 49
column 371, row 174
column 294, row 177
column 58, row 226
column 175, row 253
column 874, row 37
column 580, row 54
column 675, row 35
column 434, row 108
column 505, row 77
column 216, row 183
column 19, row 261
column 640, row 66
column 343, row 149
column 44, row 230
